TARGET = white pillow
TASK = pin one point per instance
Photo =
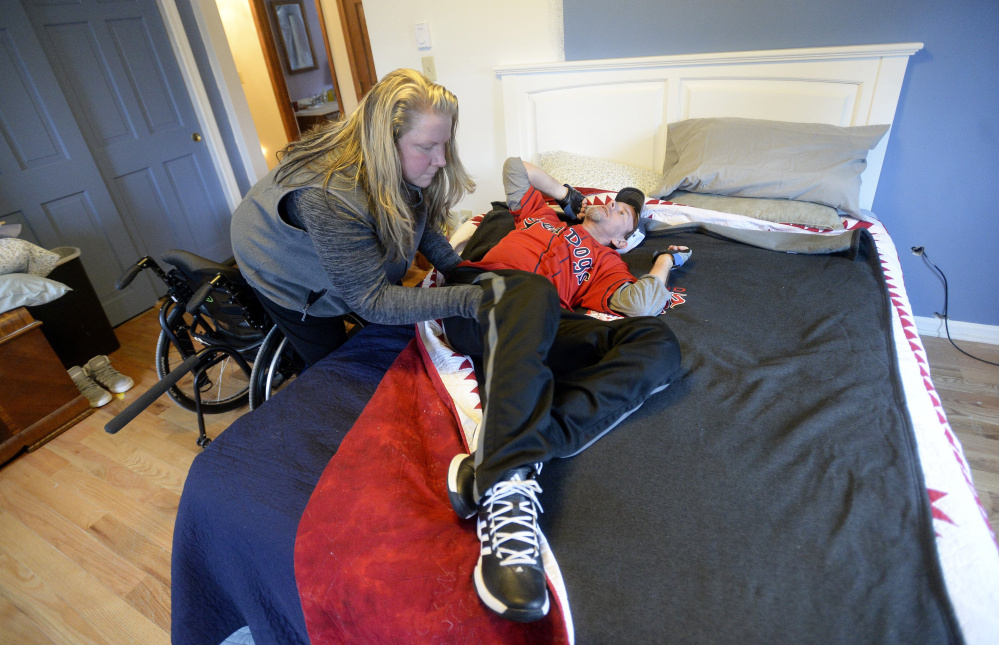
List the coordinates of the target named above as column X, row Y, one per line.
column 25, row 290
column 636, row 238
column 587, row 172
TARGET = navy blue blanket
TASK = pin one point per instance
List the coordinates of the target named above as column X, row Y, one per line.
column 234, row 540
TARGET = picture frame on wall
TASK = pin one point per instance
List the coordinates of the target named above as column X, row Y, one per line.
column 292, row 31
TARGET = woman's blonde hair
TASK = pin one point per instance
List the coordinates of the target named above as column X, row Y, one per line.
column 361, row 148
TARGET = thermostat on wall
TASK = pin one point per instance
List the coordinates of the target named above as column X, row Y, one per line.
column 422, row 35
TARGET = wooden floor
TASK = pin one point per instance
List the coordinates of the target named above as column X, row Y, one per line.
column 969, row 390
column 86, row 521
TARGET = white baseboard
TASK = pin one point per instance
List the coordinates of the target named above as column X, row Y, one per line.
column 958, row 330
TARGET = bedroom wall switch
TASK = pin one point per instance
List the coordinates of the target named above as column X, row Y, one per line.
column 429, row 68
column 422, row 35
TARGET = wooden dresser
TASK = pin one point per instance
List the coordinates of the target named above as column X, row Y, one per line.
column 38, row 399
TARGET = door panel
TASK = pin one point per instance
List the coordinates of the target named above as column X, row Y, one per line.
column 190, row 182
column 155, row 101
column 143, row 205
column 49, row 182
column 75, row 46
column 74, row 217
column 31, row 138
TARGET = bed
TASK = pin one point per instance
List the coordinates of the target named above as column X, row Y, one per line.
column 799, row 483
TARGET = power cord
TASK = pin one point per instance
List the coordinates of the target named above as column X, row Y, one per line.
column 921, row 251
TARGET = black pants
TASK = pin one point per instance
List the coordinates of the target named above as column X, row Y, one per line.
column 553, row 381
column 312, row 337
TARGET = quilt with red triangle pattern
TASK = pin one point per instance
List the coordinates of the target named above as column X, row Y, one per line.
column 773, row 494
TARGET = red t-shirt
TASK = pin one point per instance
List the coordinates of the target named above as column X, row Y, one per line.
column 585, row 272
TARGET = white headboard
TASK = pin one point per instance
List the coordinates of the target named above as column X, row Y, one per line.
column 617, row 109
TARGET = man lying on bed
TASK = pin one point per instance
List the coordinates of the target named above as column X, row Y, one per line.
column 554, row 381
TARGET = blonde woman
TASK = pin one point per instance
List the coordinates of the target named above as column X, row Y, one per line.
column 334, row 227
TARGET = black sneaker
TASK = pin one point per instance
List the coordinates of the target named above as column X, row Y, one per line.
column 461, row 484
column 510, row 577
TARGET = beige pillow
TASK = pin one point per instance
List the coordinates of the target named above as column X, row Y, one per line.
column 810, row 162
column 782, row 211
column 21, row 256
column 580, row 171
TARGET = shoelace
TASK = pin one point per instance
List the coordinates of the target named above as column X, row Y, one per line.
column 106, row 374
column 521, row 518
column 90, row 388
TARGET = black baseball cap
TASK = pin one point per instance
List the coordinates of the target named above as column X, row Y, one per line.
column 632, row 197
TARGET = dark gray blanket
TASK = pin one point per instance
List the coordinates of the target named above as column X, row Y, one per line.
column 773, row 494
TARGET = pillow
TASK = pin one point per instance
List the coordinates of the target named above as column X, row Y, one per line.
column 21, row 256
column 589, row 172
column 633, row 240
column 782, row 211
column 9, row 230
column 25, row 290
column 810, row 162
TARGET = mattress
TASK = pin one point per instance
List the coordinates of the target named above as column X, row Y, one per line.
column 673, row 506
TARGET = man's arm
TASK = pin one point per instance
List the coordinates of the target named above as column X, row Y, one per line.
column 545, row 182
column 519, row 176
column 568, row 198
column 661, row 268
column 648, row 295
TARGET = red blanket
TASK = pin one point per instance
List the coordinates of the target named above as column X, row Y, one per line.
column 380, row 556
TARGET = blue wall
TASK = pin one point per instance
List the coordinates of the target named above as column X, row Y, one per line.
column 940, row 183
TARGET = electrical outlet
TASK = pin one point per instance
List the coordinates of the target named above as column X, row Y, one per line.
column 429, row 68
column 918, row 250
column 466, row 215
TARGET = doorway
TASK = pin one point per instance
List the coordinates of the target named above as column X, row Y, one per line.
column 304, row 83
column 294, row 39
column 355, row 30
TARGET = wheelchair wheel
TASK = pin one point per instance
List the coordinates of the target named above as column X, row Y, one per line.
column 275, row 366
column 223, row 386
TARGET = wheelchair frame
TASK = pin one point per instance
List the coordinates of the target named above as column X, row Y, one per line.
column 227, row 320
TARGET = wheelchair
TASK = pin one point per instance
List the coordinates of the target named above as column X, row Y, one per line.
column 217, row 348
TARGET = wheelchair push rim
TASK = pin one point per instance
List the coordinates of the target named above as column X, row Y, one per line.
column 275, row 365
column 223, row 387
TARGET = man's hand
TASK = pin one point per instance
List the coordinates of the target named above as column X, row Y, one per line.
column 666, row 260
column 570, row 199
column 572, row 203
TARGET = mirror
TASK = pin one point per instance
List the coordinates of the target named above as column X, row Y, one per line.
column 293, row 35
